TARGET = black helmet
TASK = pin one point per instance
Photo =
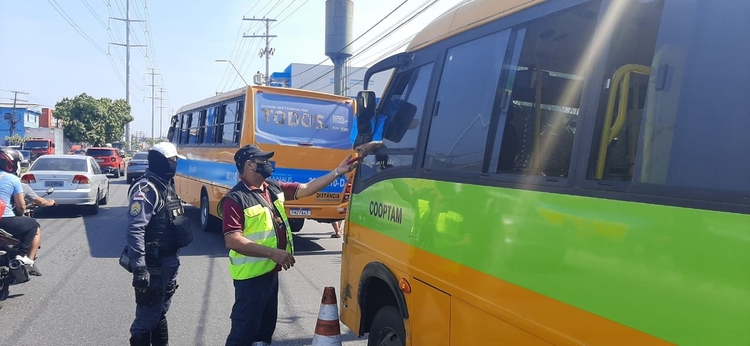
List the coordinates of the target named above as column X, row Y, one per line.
column 10, row 160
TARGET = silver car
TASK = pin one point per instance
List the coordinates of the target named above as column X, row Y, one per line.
column 77, row 180
column 137, row 166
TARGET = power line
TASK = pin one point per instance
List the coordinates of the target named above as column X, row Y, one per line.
column 381, row 38
column 153, row 98
column 355, row 40
column 12, row 119
column 293, row 12
column 75, row 26
column 98, row 19
column 268, row 51
column 127, row 46
column 273, row 8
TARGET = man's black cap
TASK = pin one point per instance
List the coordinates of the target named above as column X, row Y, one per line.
column 249, row 152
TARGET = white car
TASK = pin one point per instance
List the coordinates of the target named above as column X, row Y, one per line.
column 77, row 180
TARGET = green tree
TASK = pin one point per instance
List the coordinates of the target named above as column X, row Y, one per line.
column 16, row 139
column 91, row 120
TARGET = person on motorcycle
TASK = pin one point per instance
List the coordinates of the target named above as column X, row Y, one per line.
column 32, row 198
column 25, row 229
column 158, row 228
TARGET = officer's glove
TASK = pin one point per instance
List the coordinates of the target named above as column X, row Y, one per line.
column 140, row 278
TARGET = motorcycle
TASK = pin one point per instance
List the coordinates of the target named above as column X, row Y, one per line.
column 13, row 271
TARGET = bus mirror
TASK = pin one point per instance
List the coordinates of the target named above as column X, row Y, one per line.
column 170, row 134
column 365, row 111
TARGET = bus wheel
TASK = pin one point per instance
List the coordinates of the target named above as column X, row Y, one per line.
column 296, row 224
column 387, row 328
column 208, row 221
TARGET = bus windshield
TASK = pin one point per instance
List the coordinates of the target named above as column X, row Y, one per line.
column 36, row 145
column 296, row 121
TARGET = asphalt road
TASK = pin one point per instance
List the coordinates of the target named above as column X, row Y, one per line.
column 85, row 298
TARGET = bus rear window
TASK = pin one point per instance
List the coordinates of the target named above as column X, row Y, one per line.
column 100, row 152
column 296, row 121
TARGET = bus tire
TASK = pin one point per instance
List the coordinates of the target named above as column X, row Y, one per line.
column 387, row 328
column 209, row 222
column 296, row 224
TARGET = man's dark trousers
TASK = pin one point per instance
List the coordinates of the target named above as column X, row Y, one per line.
column 255, row 309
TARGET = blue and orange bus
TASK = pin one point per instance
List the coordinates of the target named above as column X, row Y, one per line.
column 309, row 131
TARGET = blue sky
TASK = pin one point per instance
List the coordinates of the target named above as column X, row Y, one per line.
column 41, row 53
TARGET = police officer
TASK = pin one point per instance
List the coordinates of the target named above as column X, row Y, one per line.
column 158, row 228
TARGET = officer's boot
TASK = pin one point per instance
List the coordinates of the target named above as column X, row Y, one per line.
column 160, row 335
column 143, row 339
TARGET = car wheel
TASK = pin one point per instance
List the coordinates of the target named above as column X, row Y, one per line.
column 209, row 222
column 117, row 173
column 94, row 209
column 105, row 199
column 387, row 328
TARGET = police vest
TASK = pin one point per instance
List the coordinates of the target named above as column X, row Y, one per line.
column 169, row 227
column 260, row 223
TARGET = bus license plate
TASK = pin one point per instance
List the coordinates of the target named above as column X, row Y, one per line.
column 53, row 184
column 299, row 212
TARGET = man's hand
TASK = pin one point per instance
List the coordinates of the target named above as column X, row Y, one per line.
column 368, row 148
column 282, row 258
column 140, row 279
column 346, row 166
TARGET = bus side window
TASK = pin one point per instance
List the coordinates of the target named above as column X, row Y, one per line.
column 212, row 119
column 540, row 126
column 630, row 56
column 466, row 95
column 401, row 114
column 185, row 136
column 231, row 123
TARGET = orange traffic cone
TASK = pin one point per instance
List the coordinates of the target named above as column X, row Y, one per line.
column 327, row 329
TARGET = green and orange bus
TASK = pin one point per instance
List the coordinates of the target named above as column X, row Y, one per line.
column 309, row 132
column 564, row 172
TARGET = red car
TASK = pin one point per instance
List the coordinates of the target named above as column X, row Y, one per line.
column 109, row 159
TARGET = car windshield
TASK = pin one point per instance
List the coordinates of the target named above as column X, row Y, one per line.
column 26, row 154
column 59, row 164
column 140, row 156
column 36, row 145
column 100, row 152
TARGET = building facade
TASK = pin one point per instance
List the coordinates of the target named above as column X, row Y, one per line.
column 15, row 121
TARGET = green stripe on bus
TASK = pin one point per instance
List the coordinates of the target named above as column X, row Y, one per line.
column 676, row 273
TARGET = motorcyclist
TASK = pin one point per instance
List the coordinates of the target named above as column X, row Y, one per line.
column 158, row 228
column 31, row 197
column 25, row 229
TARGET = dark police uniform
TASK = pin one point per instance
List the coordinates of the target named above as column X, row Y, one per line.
column 158, row 228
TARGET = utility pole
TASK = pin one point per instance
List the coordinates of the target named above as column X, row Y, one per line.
column 153, row 98
column 161, row 112
column 268, row 51
column 127, row 46
column 13, row 119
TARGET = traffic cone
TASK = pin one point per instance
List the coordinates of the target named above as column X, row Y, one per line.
column 327, row 329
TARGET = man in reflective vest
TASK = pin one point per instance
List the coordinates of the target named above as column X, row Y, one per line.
column 256, row 231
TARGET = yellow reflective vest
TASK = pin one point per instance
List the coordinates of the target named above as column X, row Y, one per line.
column 259, row 228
